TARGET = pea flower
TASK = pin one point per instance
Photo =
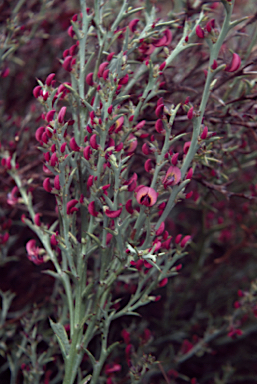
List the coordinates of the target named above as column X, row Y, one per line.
column 172, row 177
column 146, row 196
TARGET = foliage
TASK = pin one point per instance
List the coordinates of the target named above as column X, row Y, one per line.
column 142, row 219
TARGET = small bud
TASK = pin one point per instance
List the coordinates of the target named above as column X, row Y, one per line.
column 67, row 63
column 145, row 149
column 61, row 115
column 174, row 158
column 50, row 115
column 53, row 240
column 71, row 32
column 49, row 79
column 186, row 147
column 129, row 207
column 119, row 147
column 93, row 141
column 90, row 181
column 189, row 195
column 162, row 66
column 87, row 152
column 190, row 113
column 178, row 267
column 91, row 209
column 210, row 25
column 62, row 148
column 70, row 206
column 148, row 165
column 184, row 241
column 53, row 159
column 159, row 110
column 39, row 133
column 57, row 182
column 110, row 56
column 214, row 64
column 178, row 238
column 124, row 80
column 37, row 219
column 89, row 79
column 163, row 282
column 101, row 69
column 159, row 126
column 47, row 185
column 160, row 229
column 189, row 174
column 204, row 133
column 74, row 146
column 199, row 31
column 36, row 91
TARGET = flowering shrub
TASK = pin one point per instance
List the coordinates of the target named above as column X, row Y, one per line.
column 130, row 170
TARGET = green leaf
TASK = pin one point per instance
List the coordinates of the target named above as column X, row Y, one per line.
column 62, row 337
column 52, row 273
column 94, row 238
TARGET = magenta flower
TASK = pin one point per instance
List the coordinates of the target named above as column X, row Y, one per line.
column 119, row 124
column 146, row 196
column 33, row 252
column 12, row 197
column 172, row 177
column 165, row 40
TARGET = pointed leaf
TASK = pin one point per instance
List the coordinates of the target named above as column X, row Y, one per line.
column 62, row 337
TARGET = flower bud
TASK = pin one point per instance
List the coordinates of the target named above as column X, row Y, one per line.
column 89, row 79
column 199, row 31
